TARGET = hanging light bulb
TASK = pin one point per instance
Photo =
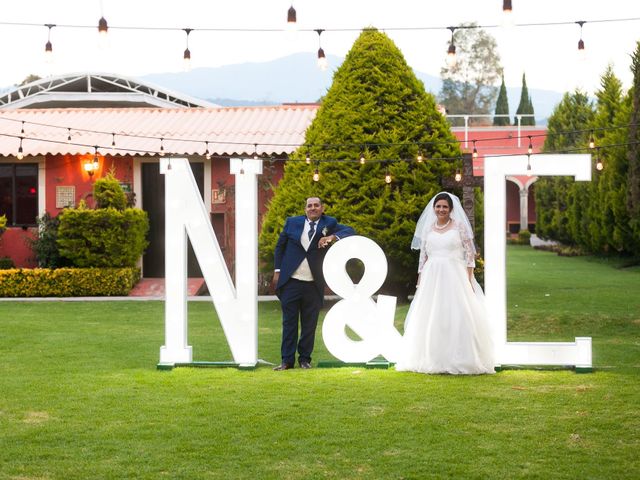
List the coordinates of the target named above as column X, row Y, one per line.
column 162, row 148
column 419, row 158
column 387, row 176
column 48, row 47
column 308, row 158
column 22, row 129
column 20, row 154
column 68, row 135
column 113, row 143
column 316, row 174
column 207, row 153
column 103, row 28
column 187, row 53
column 291, row 18
column 322, row 59
column 530, row 147
column 451, row 52
column 96, row 160
column 362, row 159
column 528, row 165
column 507, row 13
column 599, row 164
column 581, row 52
column 255, row 151
column 592, row 142
column 475, row 150
column 458, row 175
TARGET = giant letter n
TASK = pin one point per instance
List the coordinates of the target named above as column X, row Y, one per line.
column 186, row 215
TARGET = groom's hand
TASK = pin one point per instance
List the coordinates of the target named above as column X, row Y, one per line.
column 274, row 281
column 326, row 241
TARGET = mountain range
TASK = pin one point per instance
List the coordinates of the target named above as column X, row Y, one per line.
column 296, row 79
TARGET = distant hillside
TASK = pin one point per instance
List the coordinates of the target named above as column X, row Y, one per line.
column 296, row 78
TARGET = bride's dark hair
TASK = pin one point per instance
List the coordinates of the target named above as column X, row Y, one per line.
column 443, row 196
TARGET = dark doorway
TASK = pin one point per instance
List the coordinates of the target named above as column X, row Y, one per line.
column 153, row 204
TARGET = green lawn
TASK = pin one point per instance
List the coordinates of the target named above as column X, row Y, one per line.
column 80, row 396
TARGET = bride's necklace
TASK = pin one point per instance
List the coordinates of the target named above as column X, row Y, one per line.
column 443, row 226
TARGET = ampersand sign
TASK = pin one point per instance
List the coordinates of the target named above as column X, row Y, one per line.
column 371, row 321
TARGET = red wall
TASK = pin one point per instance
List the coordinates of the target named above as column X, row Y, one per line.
column 13, row 244
column 67, row 170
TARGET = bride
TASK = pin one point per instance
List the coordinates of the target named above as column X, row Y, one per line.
column 446, row 329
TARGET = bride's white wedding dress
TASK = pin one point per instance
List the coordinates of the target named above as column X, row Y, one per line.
column 446, row 329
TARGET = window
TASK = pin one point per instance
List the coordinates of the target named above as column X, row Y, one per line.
column 19, row 193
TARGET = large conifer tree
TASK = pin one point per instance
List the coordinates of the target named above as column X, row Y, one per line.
column 525, row 107
column 378, row 107
column 633, row 153
column 502, row 107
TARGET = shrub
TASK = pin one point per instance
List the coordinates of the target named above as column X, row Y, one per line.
column 524, row 237
column 3, row 224
column 45, row 245
column 67, row 282
column 108, row 193
column 104, row 237
column 6, row 263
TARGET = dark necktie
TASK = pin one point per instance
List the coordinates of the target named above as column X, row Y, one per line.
column 312, row 229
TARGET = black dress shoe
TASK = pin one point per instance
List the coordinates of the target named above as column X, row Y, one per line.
column 305, row 365
column 283, row 366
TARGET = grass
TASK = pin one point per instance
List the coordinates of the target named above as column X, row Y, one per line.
column 80, row 396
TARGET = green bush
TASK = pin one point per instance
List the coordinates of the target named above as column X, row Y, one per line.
column 3, row 224
column 108, row 193
column 67, row 282
column 45, row 245
column 6, row 263
column 104, row 237
column 524, row 237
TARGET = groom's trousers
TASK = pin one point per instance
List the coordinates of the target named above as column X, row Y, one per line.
column 300, row 301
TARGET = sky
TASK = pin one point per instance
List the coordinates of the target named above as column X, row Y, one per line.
column 547, row 54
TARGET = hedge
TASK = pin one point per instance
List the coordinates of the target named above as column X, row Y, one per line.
column 67, row 282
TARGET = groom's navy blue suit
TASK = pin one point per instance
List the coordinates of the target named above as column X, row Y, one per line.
column 302, row 299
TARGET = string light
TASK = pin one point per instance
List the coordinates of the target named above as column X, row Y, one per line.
column 207, row 153
column 187, row 52
column 255, row 151
column 507, row 17
column 308, row 158
column 419, row 158
column 599, row 164
column 387, row 175
column 475, row 150
column 68, row 135
column 592, row 142
column 458, row 175
column 362, row 159
column 103, row 28
column 22, row 129
column 113, row 142
column 322, row 59
column 530, row 147
column 162, row 147
column 528, row 165
column 316, row 174
column 20, row 154
column 291, row 17
column 48, row 47
column 451, row 53
column 581, row 52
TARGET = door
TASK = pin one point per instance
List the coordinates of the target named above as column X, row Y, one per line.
column 153, row 198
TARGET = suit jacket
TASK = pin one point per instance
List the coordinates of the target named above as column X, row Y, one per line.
column 290, row 252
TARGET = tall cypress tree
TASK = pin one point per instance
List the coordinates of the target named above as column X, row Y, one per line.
column 502, row 106
column 525, row 107
column 633, row 152
column 378, row 107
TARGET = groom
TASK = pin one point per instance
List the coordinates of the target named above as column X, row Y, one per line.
column 298, row 278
